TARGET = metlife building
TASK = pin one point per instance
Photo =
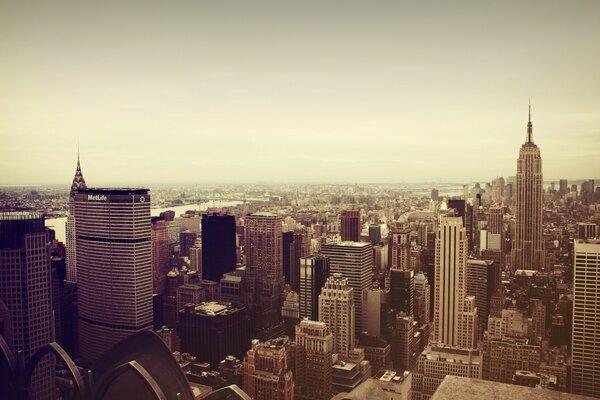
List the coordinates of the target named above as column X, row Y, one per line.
column 114, row 266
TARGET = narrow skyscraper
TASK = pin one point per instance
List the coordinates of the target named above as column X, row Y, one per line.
column 71, row 257
column 336, row 309
column 354, row 261
column 454, row 313
column 527, row 247
column 350, row 225
column 263, row 281
column 314, row 349
column 218, row 245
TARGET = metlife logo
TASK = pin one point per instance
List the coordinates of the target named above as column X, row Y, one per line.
column 97, row 197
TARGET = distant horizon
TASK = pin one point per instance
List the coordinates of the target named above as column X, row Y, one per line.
column 67, row 186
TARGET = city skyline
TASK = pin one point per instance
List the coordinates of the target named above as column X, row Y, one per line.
column 404, row 89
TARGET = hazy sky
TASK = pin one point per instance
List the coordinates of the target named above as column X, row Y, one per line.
column 369, row 91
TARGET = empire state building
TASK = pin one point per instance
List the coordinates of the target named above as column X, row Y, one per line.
column 527, row 248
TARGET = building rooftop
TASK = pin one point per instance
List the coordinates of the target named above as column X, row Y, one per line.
column 211, row 308
column 454, row 387
column 349, row 244
column 114, row 190
column 263, row 214
column 20, row 215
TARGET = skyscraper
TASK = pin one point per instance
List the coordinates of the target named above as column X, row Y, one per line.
column 350, row 225
column 26, row 291
column 267, row 373
column 585, row 372
column 218, row 245
column 353, row 260
column 114, row 266
column 453, row 312
column 336, row 309
column 78, row 183
column 263, row 281
column 400, row 249
column 160, row 254
column 402, row 290
column 211, row 331
column 314, row 271
column 422, row 296
column 495, row 228
column 314, row 349
column 527, row 246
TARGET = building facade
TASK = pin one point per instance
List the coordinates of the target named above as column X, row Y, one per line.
column 336, row 309
column 585, row 371
column 211, row 331
column 452, row 322
column 314, row 271
column 527, row 245
column 263, row 280
column 267, row 373
column 314, row 350
column 218, row 245
column 114, row 266
column 354, row 260
column 350, row 225
column 25, row 290
column 78, row 183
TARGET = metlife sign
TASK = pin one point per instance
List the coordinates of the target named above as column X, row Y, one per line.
column 97, row 197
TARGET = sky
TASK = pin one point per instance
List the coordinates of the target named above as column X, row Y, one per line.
column 296, row 91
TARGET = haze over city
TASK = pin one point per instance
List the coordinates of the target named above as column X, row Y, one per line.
column 296, row 92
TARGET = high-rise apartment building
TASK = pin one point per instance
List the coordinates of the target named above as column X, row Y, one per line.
column 483, row 279
column 402, row 290
column 218, row 245
column 402, row 340
column 314, row 271
column 375, row 234
column 354, row 260
column 453, row 312
column 528, row 245
column 495, row 228
column 585, row 353
column 114, row 266
column 422, row 296
column 336, row 309
column 350, row 225
column 400, row 247
column 374, row 310
column 160, row 254
column 78, row 183
column 267, row 371
column 263, row 280
column 314, row 350
column 25, row 290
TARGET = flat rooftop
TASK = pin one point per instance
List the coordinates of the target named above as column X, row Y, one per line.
column 349, row 244
column 114, row 190
column 454, row 387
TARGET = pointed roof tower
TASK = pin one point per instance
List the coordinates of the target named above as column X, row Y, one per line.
column 78, row 181
column 529, row 126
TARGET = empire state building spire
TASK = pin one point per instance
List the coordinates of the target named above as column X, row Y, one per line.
column 529, row 126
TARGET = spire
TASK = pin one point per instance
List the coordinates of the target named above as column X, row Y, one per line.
column 529, row 126
column 78, row 181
